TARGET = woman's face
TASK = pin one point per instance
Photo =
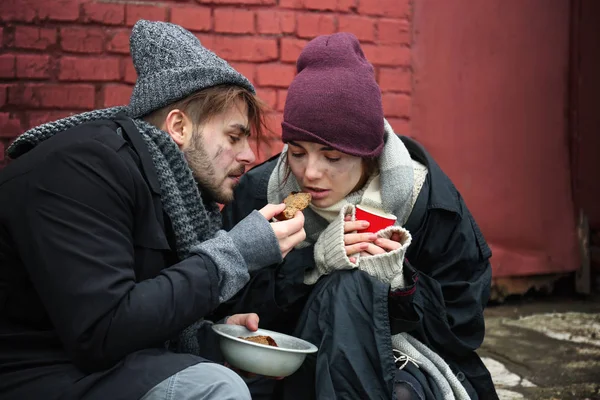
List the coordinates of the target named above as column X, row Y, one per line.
column 327, row 174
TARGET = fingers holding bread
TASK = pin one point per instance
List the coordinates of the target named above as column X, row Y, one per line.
column 288, row 224
column 294, row 202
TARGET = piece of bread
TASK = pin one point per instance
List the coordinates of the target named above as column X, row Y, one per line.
column 295, row 201
column 268, row 340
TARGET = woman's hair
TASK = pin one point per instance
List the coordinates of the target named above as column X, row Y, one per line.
column 208, row 103
column 370, row 167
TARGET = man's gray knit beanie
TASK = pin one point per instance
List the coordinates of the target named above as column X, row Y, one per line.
column 171, row 64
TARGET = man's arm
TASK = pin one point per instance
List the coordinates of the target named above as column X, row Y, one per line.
column 79, row 219
column 276, row 293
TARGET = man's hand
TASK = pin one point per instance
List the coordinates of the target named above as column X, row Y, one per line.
column 250, row 321
column 289, row 233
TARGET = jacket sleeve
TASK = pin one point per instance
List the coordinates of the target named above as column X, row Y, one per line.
column 75, row 238
column 454, row 280
column 276, row 293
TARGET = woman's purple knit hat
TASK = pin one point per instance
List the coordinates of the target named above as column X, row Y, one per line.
column 334, row 99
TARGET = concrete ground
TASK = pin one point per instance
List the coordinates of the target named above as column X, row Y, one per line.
column 546, row 348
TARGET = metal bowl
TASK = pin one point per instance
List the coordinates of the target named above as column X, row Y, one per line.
column 262, row 359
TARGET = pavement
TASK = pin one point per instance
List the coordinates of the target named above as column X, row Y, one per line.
column 544, row 348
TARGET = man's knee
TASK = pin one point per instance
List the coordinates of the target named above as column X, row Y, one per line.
column 202, row 381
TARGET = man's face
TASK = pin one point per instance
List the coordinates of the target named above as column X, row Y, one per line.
column 218, row 152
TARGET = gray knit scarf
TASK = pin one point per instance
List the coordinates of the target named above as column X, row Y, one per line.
column 396, row 175
column 194, row 221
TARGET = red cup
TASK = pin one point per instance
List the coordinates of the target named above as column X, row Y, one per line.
column 378, row 219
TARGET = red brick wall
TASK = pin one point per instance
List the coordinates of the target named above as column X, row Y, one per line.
column 59, row 57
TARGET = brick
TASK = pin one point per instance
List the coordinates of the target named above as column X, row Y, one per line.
column 59, row 96
column 82, row 40
column 279, row 75
column 207, row 40
column 396, row 105
column 30, row 37
column 17, row 10
column 310, row 25
column 320, row 5
column 116, row 95
column 130, row 72
column 276, row 146
column 10, row 125
column 362, row 27
column 395, row 79
column 291, row 48
column 242, row 48
column 246, row 69
column 387, row 8
column 401, row 126
column 269, row 96
column 3, row 90
column 275, row 21
column 273, row 121
column 33, row 66
column 267, row 147
column 135, row 12
column 118, row 41
column 194, row 18
column 7, row 66
column 281, row 97
column 57, row 10
column 1, row 36
column 231, row 20
column 89, row 69
column 393, row 31
column 104, row 13
column 239, row 2
column 36, row 118
column 387, row 55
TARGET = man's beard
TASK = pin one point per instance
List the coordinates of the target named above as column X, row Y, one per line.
column 204, row 171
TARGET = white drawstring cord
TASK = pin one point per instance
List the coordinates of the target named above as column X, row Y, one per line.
column 404, row 358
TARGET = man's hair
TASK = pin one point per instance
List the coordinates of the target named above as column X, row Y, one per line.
column 208, row 103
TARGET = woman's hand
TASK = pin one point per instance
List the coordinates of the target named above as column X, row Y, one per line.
column 367, row 244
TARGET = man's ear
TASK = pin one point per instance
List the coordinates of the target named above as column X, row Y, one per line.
column 178, row 125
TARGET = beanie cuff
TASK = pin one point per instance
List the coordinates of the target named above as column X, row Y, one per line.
column 153, row 92
column 292, row 133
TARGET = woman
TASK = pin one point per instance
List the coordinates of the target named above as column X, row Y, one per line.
column 420, row 286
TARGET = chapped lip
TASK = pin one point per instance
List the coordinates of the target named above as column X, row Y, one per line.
column 314, row 188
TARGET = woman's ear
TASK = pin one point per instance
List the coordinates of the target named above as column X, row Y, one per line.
column 179, row 127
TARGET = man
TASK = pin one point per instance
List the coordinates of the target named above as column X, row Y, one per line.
column 111, row 251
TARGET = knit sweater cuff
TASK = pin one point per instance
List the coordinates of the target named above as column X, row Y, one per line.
column 231, row 269
column 388, row 267
column 255, row 240
column 330, row 252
